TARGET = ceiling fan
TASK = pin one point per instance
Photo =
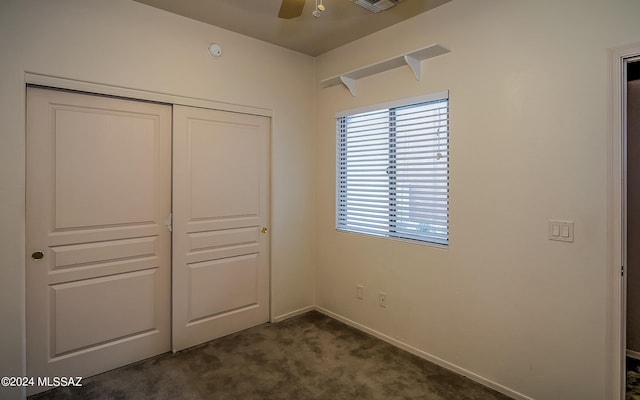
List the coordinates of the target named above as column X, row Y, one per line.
column 291, row 9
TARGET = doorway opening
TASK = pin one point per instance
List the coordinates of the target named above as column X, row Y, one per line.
column 632, row 225
column 616, row 328
column 631, row 110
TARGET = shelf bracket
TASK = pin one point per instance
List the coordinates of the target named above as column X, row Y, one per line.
column 350, row 83
column 415, row 65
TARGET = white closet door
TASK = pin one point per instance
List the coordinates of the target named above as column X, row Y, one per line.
column 98, row 248
column 220, row 240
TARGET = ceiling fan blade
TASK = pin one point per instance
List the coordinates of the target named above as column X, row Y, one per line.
column 291, row 9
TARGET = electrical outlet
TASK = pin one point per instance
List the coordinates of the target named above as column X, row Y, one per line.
column 360, row 292
column 382, row 299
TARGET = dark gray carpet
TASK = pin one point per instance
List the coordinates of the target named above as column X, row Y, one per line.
column 310, row 356
column 633, row 379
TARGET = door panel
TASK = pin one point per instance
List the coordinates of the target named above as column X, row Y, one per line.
column 82, row 319
column 98, row 195
column 224, row 155
column 107, row 146
column 221, row 285
column 220, row 197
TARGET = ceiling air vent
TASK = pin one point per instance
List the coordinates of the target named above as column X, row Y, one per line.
column 377, row 5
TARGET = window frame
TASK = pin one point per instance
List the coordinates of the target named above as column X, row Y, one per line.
column 392, row 107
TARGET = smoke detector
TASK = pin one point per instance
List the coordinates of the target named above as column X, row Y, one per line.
column 375, row 6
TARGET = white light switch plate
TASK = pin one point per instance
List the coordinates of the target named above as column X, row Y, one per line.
column 561, row 230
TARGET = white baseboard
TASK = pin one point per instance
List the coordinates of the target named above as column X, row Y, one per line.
column 292, row 314
column 633, row 354
column 445, row 364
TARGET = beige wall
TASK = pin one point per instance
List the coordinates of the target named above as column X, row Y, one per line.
column 529, row 91
column 123, row 43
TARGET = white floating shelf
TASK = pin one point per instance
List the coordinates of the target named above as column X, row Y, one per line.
column 413, row 60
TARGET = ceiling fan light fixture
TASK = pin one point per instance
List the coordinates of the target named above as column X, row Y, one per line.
column 318, row 10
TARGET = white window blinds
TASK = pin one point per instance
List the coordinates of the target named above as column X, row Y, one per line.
column 393, row 169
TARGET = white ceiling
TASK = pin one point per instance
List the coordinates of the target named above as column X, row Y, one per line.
column 342, row 22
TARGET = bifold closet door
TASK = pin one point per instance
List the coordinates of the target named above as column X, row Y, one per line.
column 98, row 249
column 220, row 236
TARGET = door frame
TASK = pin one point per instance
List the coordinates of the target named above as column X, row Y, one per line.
column 54, row 82
column 616, row 224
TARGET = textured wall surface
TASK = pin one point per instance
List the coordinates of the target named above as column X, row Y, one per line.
column 529, row 91
column 126, row 44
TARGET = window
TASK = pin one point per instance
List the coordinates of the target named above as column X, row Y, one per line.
column 393, row 169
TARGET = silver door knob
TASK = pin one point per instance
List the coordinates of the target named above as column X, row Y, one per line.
column 37, row 255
